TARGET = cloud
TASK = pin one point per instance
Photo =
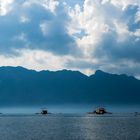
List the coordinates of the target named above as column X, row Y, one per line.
column 87, row 35
column 47, row 4
column 124, row 3
column 50, row 4
column 35, row 59
column 122, row 42
column 5, row 6
column 111, row 34
column 24, row 19
column 43, row 23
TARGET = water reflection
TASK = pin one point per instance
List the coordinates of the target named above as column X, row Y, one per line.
column 68, row 127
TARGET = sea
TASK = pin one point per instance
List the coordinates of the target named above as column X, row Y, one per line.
column 69, row 126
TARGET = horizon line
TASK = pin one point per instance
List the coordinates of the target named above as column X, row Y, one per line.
column 72, row 70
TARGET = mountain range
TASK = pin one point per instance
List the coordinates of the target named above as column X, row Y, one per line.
column 20, row 86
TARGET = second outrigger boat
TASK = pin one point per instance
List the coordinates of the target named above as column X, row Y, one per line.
column 100, row 111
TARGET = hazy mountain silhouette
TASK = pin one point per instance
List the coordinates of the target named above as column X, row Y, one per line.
column 20, row 86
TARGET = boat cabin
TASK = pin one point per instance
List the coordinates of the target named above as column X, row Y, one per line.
column 100, row 111
column 44, row 112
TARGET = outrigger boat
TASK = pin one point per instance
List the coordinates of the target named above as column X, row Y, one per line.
column 43, row 112
column 100, row 111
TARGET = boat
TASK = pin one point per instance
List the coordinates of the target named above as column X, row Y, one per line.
column 100, row 111
column 44, row 112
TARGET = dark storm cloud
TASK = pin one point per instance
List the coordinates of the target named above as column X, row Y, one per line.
column 113, row 49
column 18, row 35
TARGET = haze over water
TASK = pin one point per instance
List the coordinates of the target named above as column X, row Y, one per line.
column 80, row 109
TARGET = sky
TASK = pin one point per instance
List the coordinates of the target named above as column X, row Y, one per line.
column 83, row 35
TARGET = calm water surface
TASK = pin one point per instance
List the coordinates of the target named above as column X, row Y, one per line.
column 69, row 127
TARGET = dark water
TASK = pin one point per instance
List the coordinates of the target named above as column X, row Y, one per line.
column 69, row 127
